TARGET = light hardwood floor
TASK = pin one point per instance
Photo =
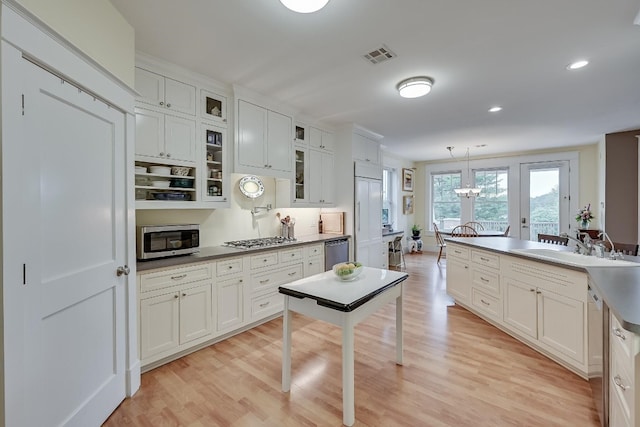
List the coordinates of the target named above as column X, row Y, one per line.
column 458, row 371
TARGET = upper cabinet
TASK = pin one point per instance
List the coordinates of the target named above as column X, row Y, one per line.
column 164, row 92
column 366, row 150
column 181, row 149
column 264, row 143
column 321, row 139
column 213, row 107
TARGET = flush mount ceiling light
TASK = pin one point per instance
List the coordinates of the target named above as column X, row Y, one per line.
column 304, row 6
column 467, row 191
column 495, row 109
column 415, row 87
column 577, row 65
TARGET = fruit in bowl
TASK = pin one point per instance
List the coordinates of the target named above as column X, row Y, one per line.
column 347, row 270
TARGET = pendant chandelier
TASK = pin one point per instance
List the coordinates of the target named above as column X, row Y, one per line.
column 467, row 191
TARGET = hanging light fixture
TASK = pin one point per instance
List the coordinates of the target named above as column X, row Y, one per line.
column 415, row 87
column 467, row 191
column 304, row 6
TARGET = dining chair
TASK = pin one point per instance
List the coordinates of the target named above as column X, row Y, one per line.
column 553, row 239
column 475, row 224
column 464, row 231
column 626, row 248
column 440, row 241
column 506, row 232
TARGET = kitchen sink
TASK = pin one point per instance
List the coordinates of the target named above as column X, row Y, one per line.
column 574, row 259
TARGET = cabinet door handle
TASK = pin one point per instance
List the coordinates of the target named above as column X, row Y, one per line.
column 168, row 154
column 484, row 259
column 538, row 292
column 168, row 105
column 161, row 154
column 264, row 281
column 294, row 273
column 161, row 103
column 184, row 294
column 292, row 255
column 230, row 267
column 484, row 302
column 532, row 290
column 618, row 381
column 484, row 280
column 176, row 296
column 182, row 276
column 264, row 304
column 617, row 332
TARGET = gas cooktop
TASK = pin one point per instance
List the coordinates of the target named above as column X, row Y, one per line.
column 262, row 242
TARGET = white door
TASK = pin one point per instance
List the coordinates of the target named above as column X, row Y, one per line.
column 67, row 165
column 252, row 122
column 544, row 199
column 279, row 128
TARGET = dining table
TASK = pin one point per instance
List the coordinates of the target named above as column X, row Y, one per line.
column 326, row 297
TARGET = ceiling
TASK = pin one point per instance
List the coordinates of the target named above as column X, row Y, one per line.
column 511, row 53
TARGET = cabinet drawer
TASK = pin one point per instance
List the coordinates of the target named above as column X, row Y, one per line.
column 486, row 304
column 177, row 276
column 485, row 259
column 457, row 251
column 624, row 338
column 621, row 379
column 272, row 279
column 266, row 304
column 264, row 260
column 229, row 266
column 290, row 255
column 487, row 280
column 314, row 250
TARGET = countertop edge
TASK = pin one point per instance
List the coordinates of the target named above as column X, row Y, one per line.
column 213, row 253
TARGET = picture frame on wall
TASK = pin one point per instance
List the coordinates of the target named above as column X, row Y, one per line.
column 407, row 179
column 407, row 205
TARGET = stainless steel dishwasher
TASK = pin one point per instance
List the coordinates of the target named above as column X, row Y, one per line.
column 335, row 251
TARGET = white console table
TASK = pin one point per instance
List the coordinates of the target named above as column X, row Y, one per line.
column 345, row 304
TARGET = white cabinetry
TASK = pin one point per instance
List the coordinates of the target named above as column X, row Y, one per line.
column 313, row 259
column 549, row 305
column 264, row 143
column 458, row 273
column 366, row 150
column 321, row 139
column 624, row 375
column 164, row 136
column 368, row 222
column 486, row 295
column 175, row 310
column 231, row 279
column 320, row 178
column 215, row 168
column 164, row 92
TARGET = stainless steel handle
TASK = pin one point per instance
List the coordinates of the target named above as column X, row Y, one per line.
column 168, row 105
column 532, row 290
column 168, row 154
column 182, row 276
column 264, row 304
column 358, row 216
column 161, row 103
column 538, row 292
column 484, row 259
column 484, row 302
column 184, row 294
column 176, row 296
column 294, row 273
column 162, row 154
column 617, row 332
column 264, row 281
column 484, row 280
column 618, row 381
column 123, row 270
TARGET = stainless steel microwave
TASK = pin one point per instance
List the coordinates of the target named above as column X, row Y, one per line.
column 159, row 241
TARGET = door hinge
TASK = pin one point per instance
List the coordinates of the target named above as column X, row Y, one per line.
column 23, row 104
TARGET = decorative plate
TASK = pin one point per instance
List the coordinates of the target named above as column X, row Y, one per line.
column 251, row 186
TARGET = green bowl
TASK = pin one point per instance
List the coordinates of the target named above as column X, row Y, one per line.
column 181, row 182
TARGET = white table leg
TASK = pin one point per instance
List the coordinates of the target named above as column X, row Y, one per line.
column 348, row 389
column 286, row 346
column 399, row 341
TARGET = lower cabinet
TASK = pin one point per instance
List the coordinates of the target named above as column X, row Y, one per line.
column 313, row 260
column 171, row 321
column 230, row 302
column 624, row 375
column 543, row 305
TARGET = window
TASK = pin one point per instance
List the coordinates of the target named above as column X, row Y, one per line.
column 388, row 196
column 491, row 207
column 445, row 202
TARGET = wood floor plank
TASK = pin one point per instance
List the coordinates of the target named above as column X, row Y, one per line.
column 458, row 371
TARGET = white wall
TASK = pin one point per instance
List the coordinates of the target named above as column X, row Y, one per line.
column 403, row 222
column 236, row 222
column 95, row 27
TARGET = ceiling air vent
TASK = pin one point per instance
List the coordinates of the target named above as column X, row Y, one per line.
column 379, row 55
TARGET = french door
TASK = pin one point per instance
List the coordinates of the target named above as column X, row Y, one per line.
column 544, row 199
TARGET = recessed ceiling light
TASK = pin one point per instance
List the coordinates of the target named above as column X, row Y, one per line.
column 304, row 6
column 495, row 109
column 415, row 87
column 577, row 65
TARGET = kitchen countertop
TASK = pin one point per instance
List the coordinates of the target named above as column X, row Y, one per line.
column 392, row 233
column 619, row 287
column 212, row 253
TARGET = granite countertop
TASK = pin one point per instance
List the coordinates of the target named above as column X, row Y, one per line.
column 212, row 253
column 619, row 287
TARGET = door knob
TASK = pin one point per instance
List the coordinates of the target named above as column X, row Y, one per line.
column 123, row 270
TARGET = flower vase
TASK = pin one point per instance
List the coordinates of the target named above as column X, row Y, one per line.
column 585, row 225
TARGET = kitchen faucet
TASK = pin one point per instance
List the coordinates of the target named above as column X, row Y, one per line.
column 585, row 247
column 612, row 254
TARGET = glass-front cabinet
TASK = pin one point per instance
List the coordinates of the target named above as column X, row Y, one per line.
column 213, row 107
column 216, row 173
column 301, row 188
